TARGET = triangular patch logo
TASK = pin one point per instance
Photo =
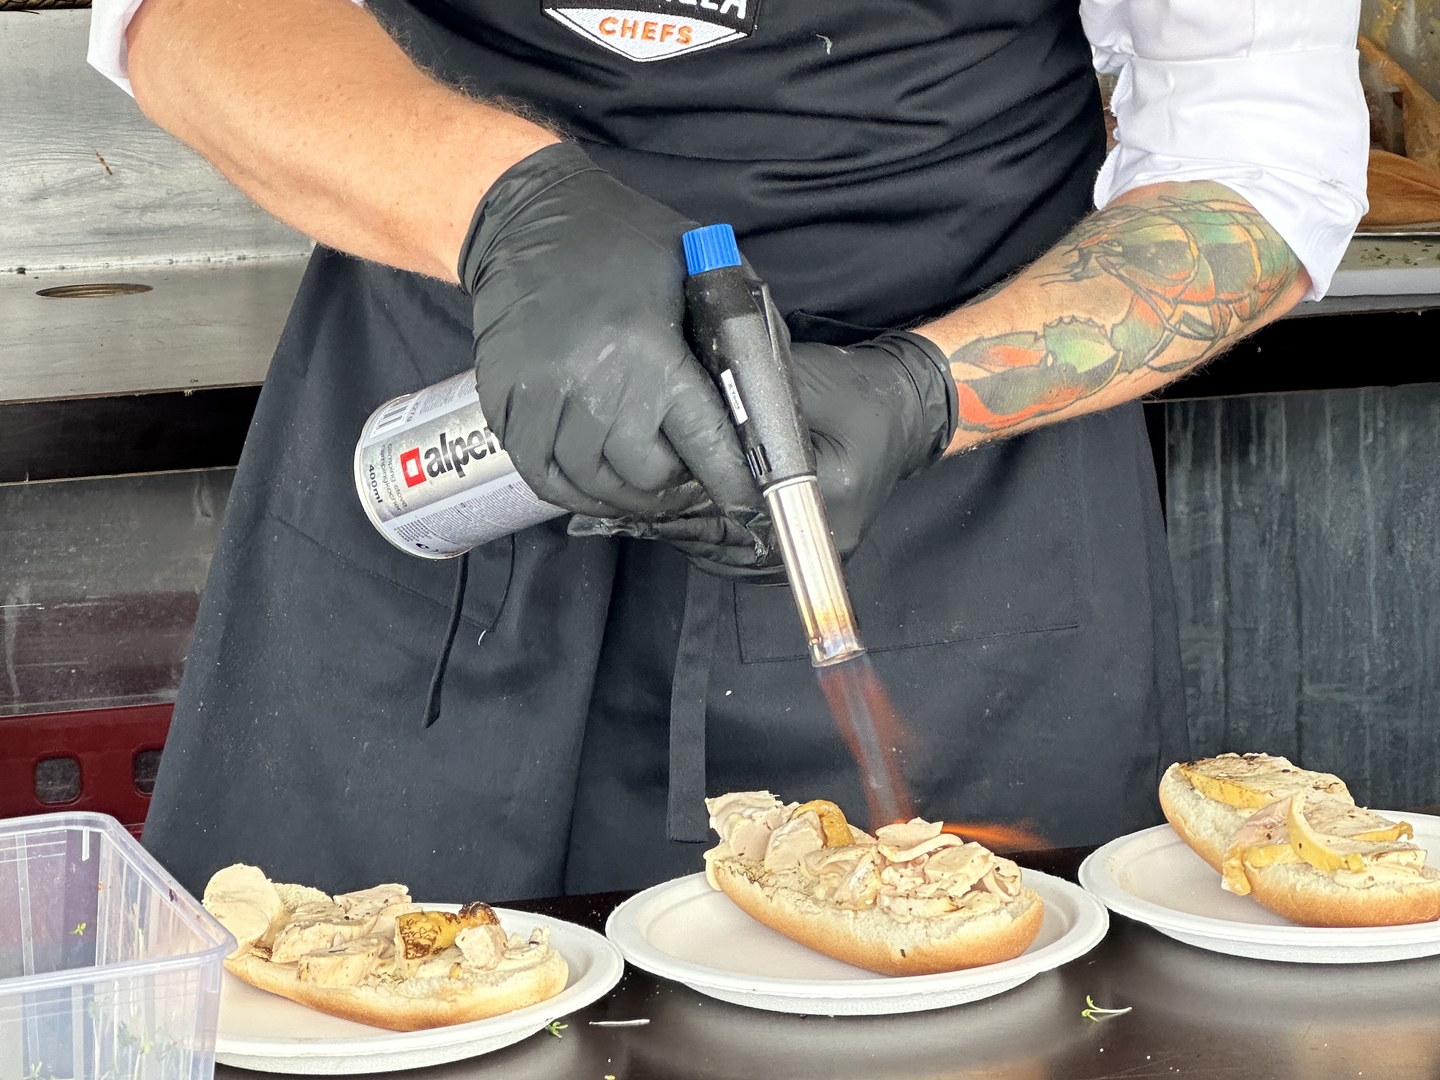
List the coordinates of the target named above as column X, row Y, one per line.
column 646, row 30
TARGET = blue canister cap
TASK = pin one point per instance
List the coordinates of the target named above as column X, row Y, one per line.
column 710, row 247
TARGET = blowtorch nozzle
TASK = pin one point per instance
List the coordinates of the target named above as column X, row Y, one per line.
column 813, row 566
column 738, row 335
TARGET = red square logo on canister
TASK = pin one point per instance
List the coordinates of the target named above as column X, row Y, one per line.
column 411, row 469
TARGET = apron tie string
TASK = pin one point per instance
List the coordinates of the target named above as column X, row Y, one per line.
column 437, row 680
column 686, row 817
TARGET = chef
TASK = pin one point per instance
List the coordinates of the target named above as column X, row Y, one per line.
column 504, row 186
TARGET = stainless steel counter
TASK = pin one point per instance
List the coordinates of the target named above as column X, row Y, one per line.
column 1195, row 1014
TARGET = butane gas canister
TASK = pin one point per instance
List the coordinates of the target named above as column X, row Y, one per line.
column 433, row 477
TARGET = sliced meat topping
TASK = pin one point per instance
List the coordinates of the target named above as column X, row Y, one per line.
column 847, row 875
column 483, row 946
column 539, row 940
column 958, row 867
column 316, row 927
column 445, row 964
column 356, row 938
column 1265, row 826
column 1001, row 883
column 897, row 879
column 834, row 862
column 348, row 965
column 372, row 901
column 745, row 820
column 792, row 841
column 907, row 835
column 924, row 847
column 385, row 921
column 980, row 902
column 908, row 868
column 245, row 903
column 860, row 887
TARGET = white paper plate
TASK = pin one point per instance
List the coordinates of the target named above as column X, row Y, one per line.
column 1152, row 876
column 686, row 931
column 264, row 1031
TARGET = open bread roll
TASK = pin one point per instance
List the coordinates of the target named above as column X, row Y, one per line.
column 376, row 957
column 1296, row 842
column 412, row 1004
column 911, row 900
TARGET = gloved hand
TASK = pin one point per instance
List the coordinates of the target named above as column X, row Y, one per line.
column 878, row 412
column 580, row 354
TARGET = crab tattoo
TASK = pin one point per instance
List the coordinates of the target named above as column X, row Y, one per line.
column 1197, row 271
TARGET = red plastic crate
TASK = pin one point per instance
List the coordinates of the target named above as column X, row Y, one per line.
column 103, row 741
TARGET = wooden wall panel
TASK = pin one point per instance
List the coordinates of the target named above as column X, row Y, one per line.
column 86, row 180
column 202, row 324
column 1305, row 538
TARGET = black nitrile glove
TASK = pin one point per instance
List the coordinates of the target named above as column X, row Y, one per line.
column 580, row 353
column 878, row 412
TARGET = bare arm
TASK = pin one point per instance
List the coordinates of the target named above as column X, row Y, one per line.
column 1132, row 298
column 310, row 109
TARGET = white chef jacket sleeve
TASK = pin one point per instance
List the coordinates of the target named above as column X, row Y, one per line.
column 1262, row 96
column 108, row 54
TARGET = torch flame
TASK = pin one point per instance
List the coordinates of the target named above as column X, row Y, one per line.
column 998, row 837
column 872, row 728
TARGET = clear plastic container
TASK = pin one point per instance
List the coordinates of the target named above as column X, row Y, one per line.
column 109, row 970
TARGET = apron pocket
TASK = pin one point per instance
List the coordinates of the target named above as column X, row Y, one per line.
column 804, row 326
column 985, row 544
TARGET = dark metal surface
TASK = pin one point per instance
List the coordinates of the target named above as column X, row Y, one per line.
column 1391, row 347
column 1344, row 305
column 1195, row 1014
column 110, row 436
column 99, row 585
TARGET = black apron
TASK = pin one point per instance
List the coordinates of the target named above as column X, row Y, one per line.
column 880, row 161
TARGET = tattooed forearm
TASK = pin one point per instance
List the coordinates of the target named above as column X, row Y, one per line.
column 1137, row 293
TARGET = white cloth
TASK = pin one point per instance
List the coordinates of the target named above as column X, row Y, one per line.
column 108, row 53
column 1262, row 96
